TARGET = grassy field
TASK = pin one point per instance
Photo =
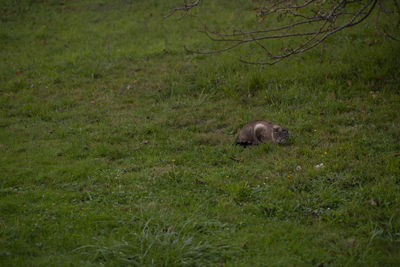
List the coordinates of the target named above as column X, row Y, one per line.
column 117, row 146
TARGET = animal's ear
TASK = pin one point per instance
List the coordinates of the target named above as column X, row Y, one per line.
column 276, row 128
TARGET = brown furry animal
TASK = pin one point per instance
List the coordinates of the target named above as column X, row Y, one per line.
column 261, row 131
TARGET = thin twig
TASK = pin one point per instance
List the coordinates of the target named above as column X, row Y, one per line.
column 390, row 36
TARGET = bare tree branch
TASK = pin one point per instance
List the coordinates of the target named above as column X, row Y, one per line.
column 312, row 22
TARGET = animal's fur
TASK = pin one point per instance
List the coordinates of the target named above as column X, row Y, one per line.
column 261, row 131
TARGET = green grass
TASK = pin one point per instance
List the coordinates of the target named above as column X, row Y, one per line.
column 117, row 147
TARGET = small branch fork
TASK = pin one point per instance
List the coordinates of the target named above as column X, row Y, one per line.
column 311, row 23
column 186, row 7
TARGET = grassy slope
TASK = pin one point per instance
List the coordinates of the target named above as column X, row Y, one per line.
column 116, row 145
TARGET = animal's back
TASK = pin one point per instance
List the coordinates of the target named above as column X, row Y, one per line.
column 251, row 133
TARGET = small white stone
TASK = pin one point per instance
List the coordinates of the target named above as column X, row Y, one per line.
column 321, row 165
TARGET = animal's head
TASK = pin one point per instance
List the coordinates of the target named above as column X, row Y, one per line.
column 280, row 135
